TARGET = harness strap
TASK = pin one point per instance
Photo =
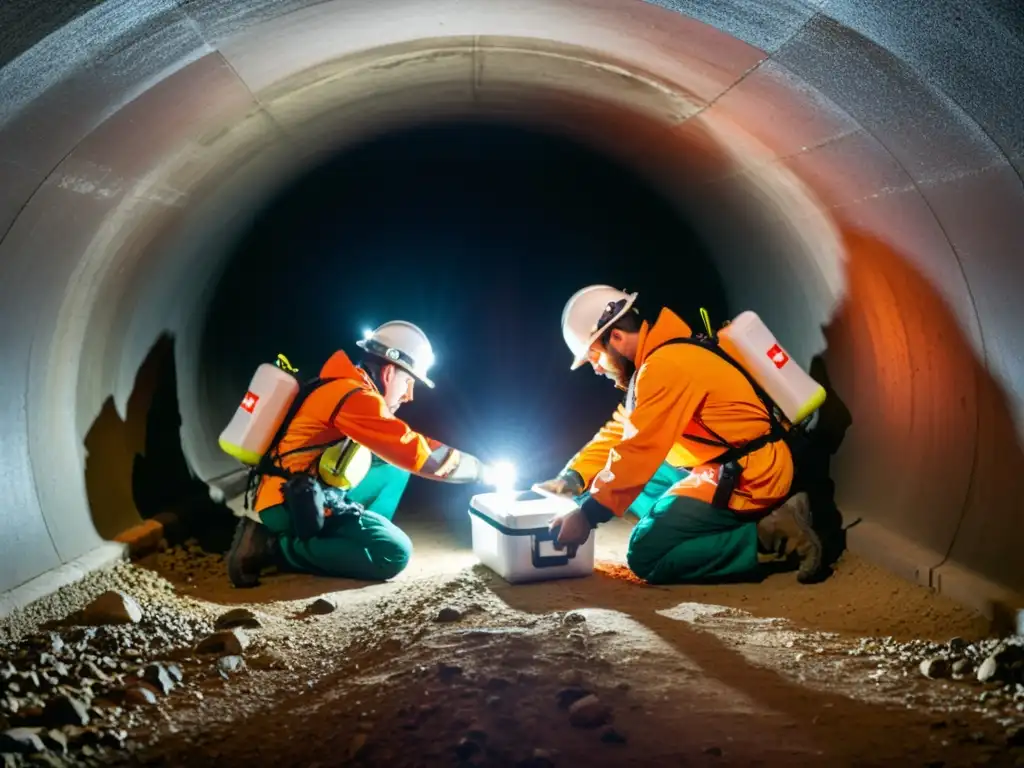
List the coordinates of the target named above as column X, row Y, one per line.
column 733, row 452
column 269, row 463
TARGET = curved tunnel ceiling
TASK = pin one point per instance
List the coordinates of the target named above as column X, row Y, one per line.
column 854, row 166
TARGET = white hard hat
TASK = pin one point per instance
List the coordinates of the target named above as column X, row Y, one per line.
column 403, row 344
column 588, row 314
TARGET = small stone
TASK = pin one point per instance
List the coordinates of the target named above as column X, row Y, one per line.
column 158, row 676
column 446, row 615
column 269, row 660
column 492, row 701
column 228, row 642
column 934, row 668
column 713, row 751
column 574, row 617
column 66, row 710
column 589, row 712
column 611, row 736
column 961, row 667
column 569, row 696
column 113, row 607
column 957, row 645
column 115, row 738
column 23, row 741
column 322, row 606
column 56, row 741
column 140, row 695
column 175, row 672
column 231, row 663
column 988, row 670
column 239, row 617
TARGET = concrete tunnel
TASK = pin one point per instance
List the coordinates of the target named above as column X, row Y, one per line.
column 855, row 167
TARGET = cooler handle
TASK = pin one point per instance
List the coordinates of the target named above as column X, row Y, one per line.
column 548, row 561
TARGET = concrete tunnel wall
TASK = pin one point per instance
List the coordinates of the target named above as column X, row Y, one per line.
column 855, row 166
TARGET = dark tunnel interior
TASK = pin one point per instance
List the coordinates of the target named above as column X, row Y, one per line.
column 190, row 189
column 406, row 226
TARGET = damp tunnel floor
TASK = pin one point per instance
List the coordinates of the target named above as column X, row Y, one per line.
column 851, row 171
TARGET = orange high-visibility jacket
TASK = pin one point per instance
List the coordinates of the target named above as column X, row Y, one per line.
column 364, row 417
column 682, row 390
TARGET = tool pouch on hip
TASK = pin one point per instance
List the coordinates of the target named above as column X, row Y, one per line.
column 305, row 501
column 728, row 477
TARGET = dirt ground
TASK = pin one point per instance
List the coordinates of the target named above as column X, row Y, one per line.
column 450, row 665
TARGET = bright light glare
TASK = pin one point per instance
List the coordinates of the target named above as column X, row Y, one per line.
column 367, row 334
column 502, row 475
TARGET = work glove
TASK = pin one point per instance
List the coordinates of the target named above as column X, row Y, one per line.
column 571, row 530
column 568, row 483
column 469, row 470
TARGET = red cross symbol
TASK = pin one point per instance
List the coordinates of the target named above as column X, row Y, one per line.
column 778, row 356
column 249, row 402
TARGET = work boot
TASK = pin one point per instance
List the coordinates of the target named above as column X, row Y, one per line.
column 789, row 530
column 251, row 551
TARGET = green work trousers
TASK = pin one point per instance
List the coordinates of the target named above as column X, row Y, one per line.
column 367, row 546
column 682, row 540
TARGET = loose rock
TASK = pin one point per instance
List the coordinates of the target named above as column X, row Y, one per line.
column 231, row 663
column 158, row 676
column 446, row 615
column 23, row 741
column 140, row 695
column 230, row 642
column 66, row 710
column 322, row 606
column 239, row 617
column 113, row 607
column 589, row 712
column 961, row 667
column 988, row 670
column 935, row 668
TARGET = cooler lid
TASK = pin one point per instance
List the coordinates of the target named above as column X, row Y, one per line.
column 522, row 510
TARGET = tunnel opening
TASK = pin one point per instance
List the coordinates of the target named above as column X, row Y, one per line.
column 478, row 230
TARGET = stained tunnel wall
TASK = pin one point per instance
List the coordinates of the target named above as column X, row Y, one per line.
column 856, row 165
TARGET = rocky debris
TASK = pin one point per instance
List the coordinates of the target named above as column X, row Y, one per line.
column 113, row 607
column 66, row 710
column 448, row 614
column 574, row 617
column 159, row 677
column 140, row 694
column 231, row 664
column 589, row 712
column 227, row 642
column 239, row 617
column 23, row 741
column 322, row 606
column 935, row 668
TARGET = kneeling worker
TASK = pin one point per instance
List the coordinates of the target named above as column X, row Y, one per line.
column 357, row 538
column 686, row 410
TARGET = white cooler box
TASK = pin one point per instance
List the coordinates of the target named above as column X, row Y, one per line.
column 511, row 537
